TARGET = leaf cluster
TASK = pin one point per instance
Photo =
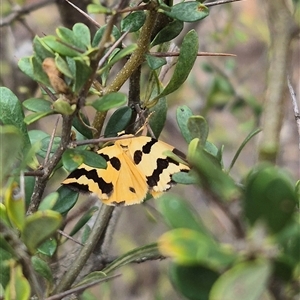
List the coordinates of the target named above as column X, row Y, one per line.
column 76, row 70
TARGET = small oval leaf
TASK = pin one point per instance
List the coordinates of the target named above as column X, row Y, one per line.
column 37, row 105
column 118, row 121
column 109, row 101
column 133, row 22
column 39, row 227
column 190, row 11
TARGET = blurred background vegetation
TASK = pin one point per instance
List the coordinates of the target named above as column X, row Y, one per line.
column 230, row 92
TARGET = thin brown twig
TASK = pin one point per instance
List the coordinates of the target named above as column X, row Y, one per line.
column 220, row 2
column 135, row 8
column 36, row 173
column 100, row 224
column 111, row 49
column 69, row 237
column 84, row 14
column 81, row 288
column 99, row 140
column 171, row 54
column 295, row 106
column 51, row 141
column 41, row 182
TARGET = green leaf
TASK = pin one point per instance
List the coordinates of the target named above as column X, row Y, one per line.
column 109, row 101
column 48, row 247
column 68, row 36
column 3, row 216
column 178, row 213
column 154, row 62
column 194, row 282
column 133, row 22
column 185, row 178
column 67, row 199
column 82, row 33
column 15, row 205
column 42, row 268
column 49, row 201
column 269, row 197
column 99, row 34
column 246, row 280
column 140, row 253
column 190, row 247
column 83, row 220
column 6, row 254
column 168, row 33
column 83, row 71
column 213, row 150
column 41, row 49
column 81, row 128
column 93, row 159
column 37, row 116
column 191, row 11
column 18, row 286
column 241, row 147
column 39, row 227
column 72, row 159
column 118, row 121
column 36, row 135
column 183, row 113
column 198, row 128
column 10, row 150
column 25, row 65
column 119, row 55
column 39, row 74
column 62, row 66
column 98, row 9
column 46, row 141
column 38, row 105
column 29, row 187
column 54, row 43
column 185, row 63
column 211, row 175
column 86, row 233
column 63, row 107
column 159, row 115
column 11, row 113
column 221, row 92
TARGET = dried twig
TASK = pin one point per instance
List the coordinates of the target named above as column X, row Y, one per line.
column 295, row 106
column 208, row 4
column 171, row 54
column 81, row 288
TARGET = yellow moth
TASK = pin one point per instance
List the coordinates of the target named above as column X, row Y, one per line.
column 135, row 166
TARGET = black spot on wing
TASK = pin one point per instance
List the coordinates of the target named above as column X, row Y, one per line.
column 115, row 162
column 138, row 154
column 77, row 187
column 147, row 147
column 105, row 187
column 132, row 189
column 122, row 203
column 161, row 165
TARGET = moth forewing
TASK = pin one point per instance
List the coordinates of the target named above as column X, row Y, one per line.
column 136, row 165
